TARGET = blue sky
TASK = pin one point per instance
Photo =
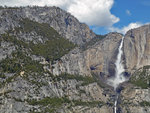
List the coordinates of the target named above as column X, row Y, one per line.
column 102, row 16
column 138, row 9
column 129, row 11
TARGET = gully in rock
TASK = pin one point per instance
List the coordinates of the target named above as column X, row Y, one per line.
column 119, row 77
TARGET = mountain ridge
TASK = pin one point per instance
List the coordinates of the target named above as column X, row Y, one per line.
column 64, row 23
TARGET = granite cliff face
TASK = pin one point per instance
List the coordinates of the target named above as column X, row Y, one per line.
column 63, row 22
column 135, row 96
column 30, row 43
column 137, row 48
column 98, row 58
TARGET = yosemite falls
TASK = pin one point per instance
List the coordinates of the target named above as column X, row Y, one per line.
column 119, row 77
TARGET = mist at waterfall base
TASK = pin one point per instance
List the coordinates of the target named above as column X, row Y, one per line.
column 119, row 70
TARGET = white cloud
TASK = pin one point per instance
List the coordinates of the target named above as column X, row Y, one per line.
column 128, row 12
column 125, row 28
column 92, row 12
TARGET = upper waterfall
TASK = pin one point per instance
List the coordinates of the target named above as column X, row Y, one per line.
column 118, row 78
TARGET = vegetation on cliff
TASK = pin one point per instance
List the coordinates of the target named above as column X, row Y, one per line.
column 92, row 41
column 20, row 61
column 52, row 49
column 141, row 77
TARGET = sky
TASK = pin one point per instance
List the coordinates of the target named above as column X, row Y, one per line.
column 102, row 16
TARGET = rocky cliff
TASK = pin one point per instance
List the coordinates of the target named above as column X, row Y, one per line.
column 98, row 58
column 31, row 41
column 135, row 96
column 137, row 48
column 63, row 22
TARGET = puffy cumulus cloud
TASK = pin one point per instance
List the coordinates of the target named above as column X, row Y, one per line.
column 92, row 12
column 125, row 28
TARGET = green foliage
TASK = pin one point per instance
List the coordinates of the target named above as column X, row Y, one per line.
column 10, row 65
column 86, row 79
column 12, row 39
column 53, row 102
column 141, row 78
column 2, row 75
column 16, row 63
column 93, row 41
column 88, row 103
column 41, row 29
column 50, row 110
column 145, row 103
column 9, row 79
column 52, row 49
column 146, row 67
column 19, row 61
column 141, row 83
column 37, row 83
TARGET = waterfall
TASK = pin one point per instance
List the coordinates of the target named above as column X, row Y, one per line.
column 115, row 108
column 119, row 77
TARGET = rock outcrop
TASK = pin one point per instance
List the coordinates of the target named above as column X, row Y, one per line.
column 137, row 48
column 97, row 58
column 21, row 95
column 64, row 23
column 135, row 100
column 28, row 47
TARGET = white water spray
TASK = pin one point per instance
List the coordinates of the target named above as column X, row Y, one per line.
column 119, row 77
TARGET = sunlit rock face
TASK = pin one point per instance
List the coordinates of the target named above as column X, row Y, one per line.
column 137, row 48
column 64, row 23
column 99, row 58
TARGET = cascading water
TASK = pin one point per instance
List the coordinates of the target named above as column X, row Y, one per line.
column 115, row 108
column 119, row 77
